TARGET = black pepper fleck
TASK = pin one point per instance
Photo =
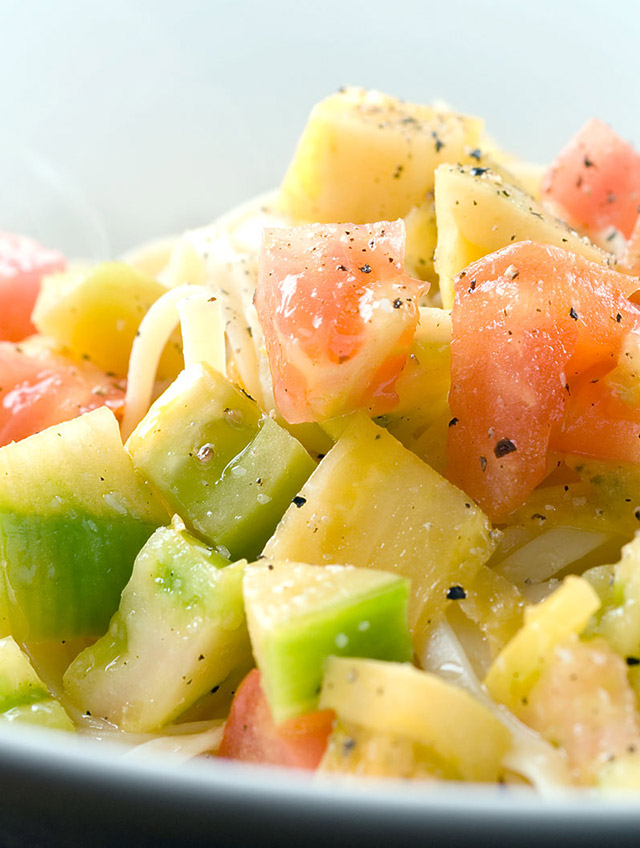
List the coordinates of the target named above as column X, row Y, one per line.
column 504, row 447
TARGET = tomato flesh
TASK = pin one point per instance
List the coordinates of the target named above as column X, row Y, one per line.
column 533, row 327
column 583, row 702
column 23, row 264
column 251, row 735
column 338, row 313
column 595, row 181
column 39, row 389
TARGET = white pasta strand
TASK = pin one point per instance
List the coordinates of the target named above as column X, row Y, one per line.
column 202, row 331
column 180, row 747
column 154, row 332
column 231, row 278
column 181, row 741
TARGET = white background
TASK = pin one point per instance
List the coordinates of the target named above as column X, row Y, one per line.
column 165, row 113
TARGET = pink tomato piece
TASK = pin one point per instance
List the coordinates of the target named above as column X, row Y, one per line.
column 338, row 313
column 39, row 389
column 597, row 422
column 251, row 735
column 531, row 325
column 23, row 264
column 584, row 704
column 594, row 183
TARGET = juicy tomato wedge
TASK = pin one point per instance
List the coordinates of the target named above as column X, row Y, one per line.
column 23, row 264
column 534, row 328
column 594, row 183
column 338, row 313
column 39, row 389
column 584, row 703
column 251, row 735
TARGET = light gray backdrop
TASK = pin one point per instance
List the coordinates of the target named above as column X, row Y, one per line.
column 165, row 113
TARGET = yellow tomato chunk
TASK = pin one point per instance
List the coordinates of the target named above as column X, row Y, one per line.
column 399, row 699
column 519, row 665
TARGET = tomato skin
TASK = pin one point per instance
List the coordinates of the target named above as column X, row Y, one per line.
column 338, row 313
column 39, row 389
column 250, row 734
column 597, row 423
column 594, row 183
column 23, row 263
column 533, row 325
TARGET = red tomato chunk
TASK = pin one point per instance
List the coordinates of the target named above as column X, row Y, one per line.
column 23, row 264
column 535, row 331
column 338, row 314
column 594, row 183
column 40, row 389
column 251, row 735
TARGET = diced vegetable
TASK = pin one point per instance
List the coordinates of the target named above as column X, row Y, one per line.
column 398, row 699
column 251, row 735
column 478, row 213
column 23, row 696
column 495, row 605
column 23, row 264
column 619, row 589
column 300, row 614
column 73, row 516
column 372, row 503
column 180, row 631
column 595, row 182
column 420, row 421
column 422, row 237
column 365, row 156
column 583, row 703
column 534, row 328
column 95, row 315
column 621, row 774
column 358, row 751
column 228, row 470
column 40, row 389
column 519, row 665
column 338, row 314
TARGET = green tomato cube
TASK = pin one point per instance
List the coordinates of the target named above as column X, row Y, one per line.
column 300, row 614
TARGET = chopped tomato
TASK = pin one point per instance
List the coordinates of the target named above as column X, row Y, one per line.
column 39, row 389
column 583, row 702
column 534, row 329
column 251, row 735
column 630, row 261
column 338, row 313
column 23, row 264
column 594, row 183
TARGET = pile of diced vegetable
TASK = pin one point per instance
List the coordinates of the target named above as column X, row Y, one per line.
column 375, row 510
